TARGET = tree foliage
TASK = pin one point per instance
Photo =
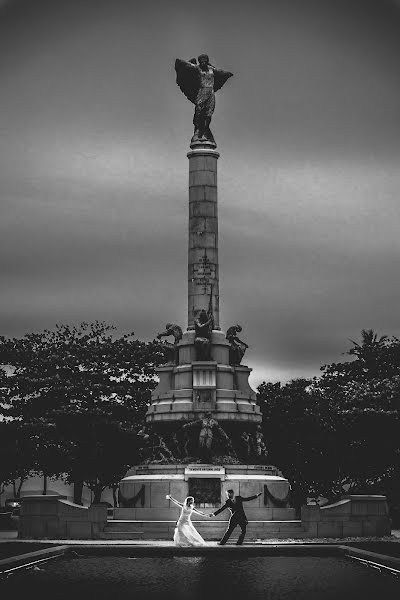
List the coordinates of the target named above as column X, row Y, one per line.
column 298, row 434
column 79, row 395
column 340, row 432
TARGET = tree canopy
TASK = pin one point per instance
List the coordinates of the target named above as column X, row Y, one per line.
column 339, row 433
column 78, row 395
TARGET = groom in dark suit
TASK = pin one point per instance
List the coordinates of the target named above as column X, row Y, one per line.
column 238, row 516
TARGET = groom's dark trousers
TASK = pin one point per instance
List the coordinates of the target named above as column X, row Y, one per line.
column 238, row 517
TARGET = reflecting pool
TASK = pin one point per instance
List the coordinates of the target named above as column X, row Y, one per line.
column 202, row 578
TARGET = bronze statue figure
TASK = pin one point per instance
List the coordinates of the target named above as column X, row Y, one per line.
column 210, row 431
column 245, row 439
column 206, row 432
column 203, row 326
column 259, row 445
column 238, row 347
column 161, row 452
column 154, row 449
column 171, row 349
column 199, row 82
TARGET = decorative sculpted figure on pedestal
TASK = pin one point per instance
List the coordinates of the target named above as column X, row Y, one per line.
column 260, row 448
column 161, row 452
column 199, row 82
column 171, row 349
column 238, row 347
column 210, row 432
column 176, row 446
column 206, row 433
column 245, row 439
column 154, row 448
column 203, row 327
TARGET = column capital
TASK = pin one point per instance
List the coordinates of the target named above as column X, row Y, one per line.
column 203, row 151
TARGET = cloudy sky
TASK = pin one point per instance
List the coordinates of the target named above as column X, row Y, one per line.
column 93, row 189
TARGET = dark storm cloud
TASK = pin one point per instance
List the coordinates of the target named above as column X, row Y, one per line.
column 93, row 137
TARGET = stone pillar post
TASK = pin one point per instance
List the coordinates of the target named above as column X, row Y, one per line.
column 203, row 275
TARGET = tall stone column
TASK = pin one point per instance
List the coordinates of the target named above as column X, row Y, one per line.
column 203, row 268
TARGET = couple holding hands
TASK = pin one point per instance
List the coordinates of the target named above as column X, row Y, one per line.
column 187, row 535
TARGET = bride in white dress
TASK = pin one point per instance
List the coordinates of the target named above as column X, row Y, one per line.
column 185, row 533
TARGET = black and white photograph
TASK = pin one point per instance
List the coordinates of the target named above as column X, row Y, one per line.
column 200, row 292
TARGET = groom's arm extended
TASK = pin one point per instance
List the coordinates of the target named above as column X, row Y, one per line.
column 214, row 514
column 251, row 497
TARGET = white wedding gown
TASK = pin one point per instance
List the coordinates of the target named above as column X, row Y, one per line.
column 185, row 532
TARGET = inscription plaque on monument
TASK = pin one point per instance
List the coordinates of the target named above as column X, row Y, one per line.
column 206, row 491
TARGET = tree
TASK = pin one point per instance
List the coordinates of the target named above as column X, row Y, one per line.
column 340, row 432
column 364, row 396
column 366, row 420
column 17, row 448
column 375, row 358
column 74, row 387
column 298, row 435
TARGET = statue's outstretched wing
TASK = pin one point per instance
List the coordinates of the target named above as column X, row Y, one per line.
column 220, row 78
column 187, row 78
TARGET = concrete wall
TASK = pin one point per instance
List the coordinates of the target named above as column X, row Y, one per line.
column 49, row 517
column 352, row 516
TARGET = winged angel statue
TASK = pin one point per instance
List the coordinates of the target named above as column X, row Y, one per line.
column 199, row 82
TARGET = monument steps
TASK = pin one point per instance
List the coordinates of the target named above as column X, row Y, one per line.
column 212, row 530
column 254, row 513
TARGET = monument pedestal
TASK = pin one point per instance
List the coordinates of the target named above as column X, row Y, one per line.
column 192, row 388
column 145, row 512
column 144, row 489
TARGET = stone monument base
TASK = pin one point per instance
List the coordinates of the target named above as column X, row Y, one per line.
column 146, row 513
column 144, row 489
column 52, row 517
